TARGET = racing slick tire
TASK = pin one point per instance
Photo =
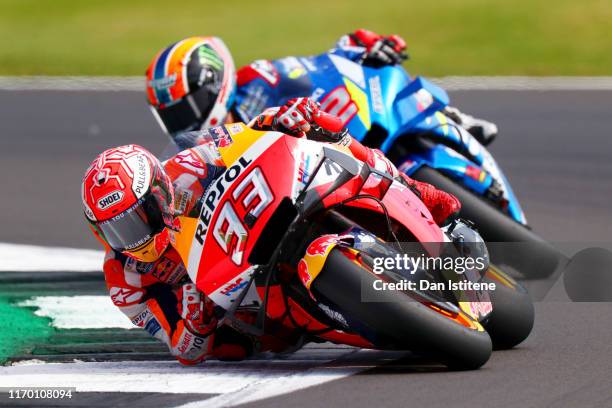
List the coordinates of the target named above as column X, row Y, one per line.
column 390, row 319
column 512, row 318
column 509, row 242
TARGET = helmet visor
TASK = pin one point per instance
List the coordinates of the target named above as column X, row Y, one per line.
column 135, row 226
column 189, row 112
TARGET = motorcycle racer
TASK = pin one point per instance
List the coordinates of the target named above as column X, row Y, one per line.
column 193, row 84
column 132, row 201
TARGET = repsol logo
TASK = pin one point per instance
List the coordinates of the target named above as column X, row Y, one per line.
column 141, row 318
column 110, row 199
column 214, row 194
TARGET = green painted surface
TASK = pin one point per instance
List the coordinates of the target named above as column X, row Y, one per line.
column 23, row 335
column 445, row 37
column 20, row 330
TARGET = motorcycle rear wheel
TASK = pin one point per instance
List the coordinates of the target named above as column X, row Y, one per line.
column 397, row 321
column 524, row 251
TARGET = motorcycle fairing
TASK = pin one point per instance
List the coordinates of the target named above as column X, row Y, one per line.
column 451, row 163
column 425, row 100
column 234, row 213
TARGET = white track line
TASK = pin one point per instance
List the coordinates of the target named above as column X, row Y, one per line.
column 523, row 83
column 32, row 258
column 268, row 387
column 451, row 83
column 76, row 312
column 72, row 83
column 237, row 382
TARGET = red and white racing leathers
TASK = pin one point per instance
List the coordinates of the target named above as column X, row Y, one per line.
column 155, row 295
column 150, row 294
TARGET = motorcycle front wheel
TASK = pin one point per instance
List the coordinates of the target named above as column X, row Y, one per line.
column 391, row 319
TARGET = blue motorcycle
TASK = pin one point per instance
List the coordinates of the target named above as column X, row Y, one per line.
column 403, row 116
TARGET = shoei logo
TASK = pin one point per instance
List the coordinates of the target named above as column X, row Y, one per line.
column 163, row 83
column 110, row 199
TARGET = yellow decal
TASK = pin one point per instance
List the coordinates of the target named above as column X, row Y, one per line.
column 241, row 143
column 361, row 100
column 296, row 73
column 467, row 309
column 443, row 121
column 182, row 239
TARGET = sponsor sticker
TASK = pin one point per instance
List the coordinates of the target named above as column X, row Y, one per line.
column 309, row 63
column 163, row 83
column 266, row 70
column 254, row 102
column 123, row 296
column 303, row 169
column 141, row 318
column 376, row 92
column 221, row 136
column 235, row 128
column 190, row 161
column 152, row 327
column 142, row 174
column 231, row 290
column 234, row 287
column 213, row 196
column 406, row 166
column 320, row 246
column 169, row 271
column 132, row 265
column 184, row 198
column 475, row 173
column 186, row 342
column 110, row 199
column 292, row 67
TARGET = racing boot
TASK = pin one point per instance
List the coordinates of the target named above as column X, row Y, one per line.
column 481, row 129
column 443, row 206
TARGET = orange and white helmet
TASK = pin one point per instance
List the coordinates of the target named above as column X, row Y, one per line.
column 191, row 84
column 129, row 201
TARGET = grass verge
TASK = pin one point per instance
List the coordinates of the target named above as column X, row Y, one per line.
column 445, row 37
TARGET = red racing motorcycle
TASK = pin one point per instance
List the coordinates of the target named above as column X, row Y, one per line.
column 291, row 232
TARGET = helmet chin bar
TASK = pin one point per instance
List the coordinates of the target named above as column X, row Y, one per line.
column 152, row 250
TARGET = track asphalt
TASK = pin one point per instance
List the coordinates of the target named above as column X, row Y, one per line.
column 554, row 146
